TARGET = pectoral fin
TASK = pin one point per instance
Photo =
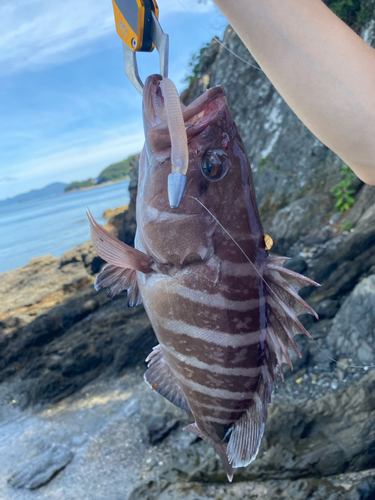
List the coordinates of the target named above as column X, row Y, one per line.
column 123, row 262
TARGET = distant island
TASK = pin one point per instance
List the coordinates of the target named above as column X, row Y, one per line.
column 115, row 172
column 50, row 190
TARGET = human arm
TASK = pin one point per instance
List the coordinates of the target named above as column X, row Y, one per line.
column 323, row 70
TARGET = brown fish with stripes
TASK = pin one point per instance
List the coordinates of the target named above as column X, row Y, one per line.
column 224, row 310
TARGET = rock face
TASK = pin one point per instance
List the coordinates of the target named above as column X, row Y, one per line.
column 289, row 164
column 353, row 329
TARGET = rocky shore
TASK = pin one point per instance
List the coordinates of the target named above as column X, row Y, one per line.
column 76, row 418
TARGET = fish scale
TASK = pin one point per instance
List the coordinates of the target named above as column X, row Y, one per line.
column 223, row 309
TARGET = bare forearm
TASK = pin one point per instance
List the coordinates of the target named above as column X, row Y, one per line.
column 324, row 71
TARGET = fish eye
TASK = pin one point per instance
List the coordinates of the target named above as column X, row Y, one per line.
column 214, row 165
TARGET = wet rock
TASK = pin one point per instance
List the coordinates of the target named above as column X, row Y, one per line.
column 39, row 470
column 353, row 329
column 327, row 308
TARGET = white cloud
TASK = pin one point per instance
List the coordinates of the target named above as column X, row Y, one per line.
column 37, row 33
column 88, row 155
column 78, row 157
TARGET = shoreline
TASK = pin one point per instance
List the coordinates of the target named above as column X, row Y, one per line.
column 97, row 185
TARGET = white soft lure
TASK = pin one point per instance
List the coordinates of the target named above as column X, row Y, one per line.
column 179, row 143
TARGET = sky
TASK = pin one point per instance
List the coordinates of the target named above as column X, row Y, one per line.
column 67, row 110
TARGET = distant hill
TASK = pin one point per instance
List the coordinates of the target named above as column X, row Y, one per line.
column 50, row 190
column 79, row 185
column 116, row 171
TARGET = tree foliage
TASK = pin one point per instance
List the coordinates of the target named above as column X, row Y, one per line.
column 355, row 13
column 116, row 171
column 79, row 185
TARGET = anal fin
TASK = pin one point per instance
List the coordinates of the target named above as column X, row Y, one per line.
column 160, row 378
column 246, row 434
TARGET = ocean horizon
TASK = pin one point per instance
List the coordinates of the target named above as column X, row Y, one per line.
column 54, row 224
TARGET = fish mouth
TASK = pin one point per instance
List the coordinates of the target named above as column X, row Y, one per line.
column 197, row 115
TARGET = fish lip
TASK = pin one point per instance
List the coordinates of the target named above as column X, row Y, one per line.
column 153, row 106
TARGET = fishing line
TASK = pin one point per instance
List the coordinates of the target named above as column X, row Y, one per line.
column 219, row 41
column 235, row 242
column 338, row 362
column 268, row 286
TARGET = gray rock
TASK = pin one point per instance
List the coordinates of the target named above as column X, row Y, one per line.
column 365, row 490
column 288, row 162
column 165, row 490
column 316, row 237
column 297, row 219
column 39, row 470
column 353, row 329
column 296, row 264
column 159, row 417
column 340, row 264
column 316, row 438
column 84, row 253
column 305, row 488
column 364, row 199
column 327, row 308
column 159, row 426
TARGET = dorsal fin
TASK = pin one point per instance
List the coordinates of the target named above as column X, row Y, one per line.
column 284, row 306
column 160, row 378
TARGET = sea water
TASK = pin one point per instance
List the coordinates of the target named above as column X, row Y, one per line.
column 54, row 224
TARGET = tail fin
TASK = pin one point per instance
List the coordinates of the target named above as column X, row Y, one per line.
column 220, row 447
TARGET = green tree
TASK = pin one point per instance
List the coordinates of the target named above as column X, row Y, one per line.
column 79, row 184
column 116, row 171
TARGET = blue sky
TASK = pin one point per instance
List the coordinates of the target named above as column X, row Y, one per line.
column 67, row 109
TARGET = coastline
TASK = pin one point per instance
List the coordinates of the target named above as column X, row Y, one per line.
column 97, row 185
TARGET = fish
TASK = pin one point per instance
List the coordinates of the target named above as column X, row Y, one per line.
column 224, row 310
